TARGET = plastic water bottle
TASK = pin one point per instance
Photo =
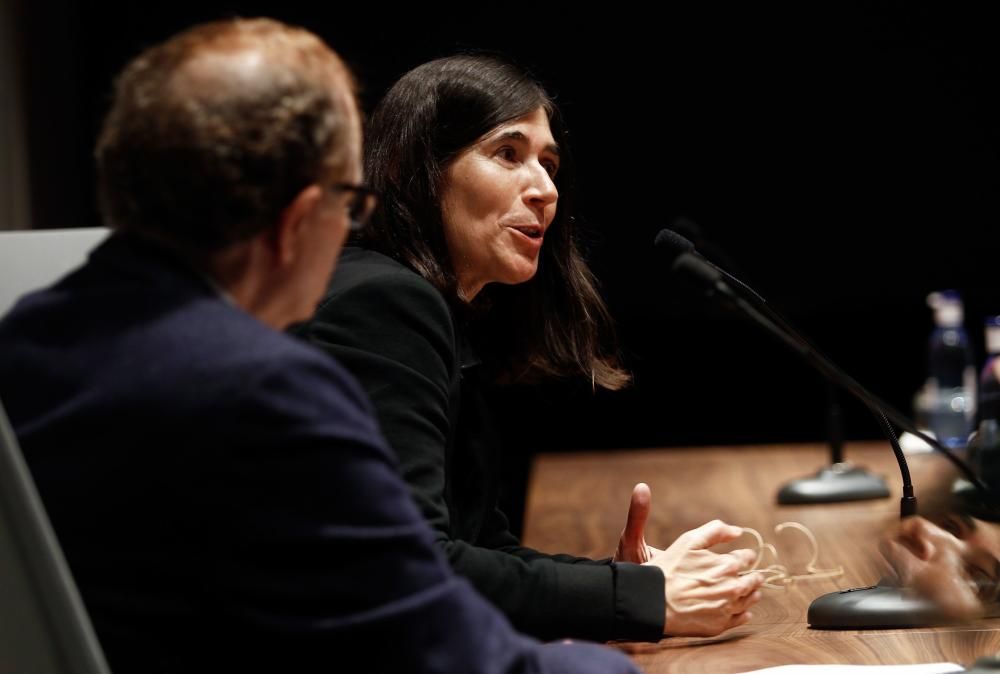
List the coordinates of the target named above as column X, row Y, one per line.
column 984, row 447
column 989, row 378
column 949, row 397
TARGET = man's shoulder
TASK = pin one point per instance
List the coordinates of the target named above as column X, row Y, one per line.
column 179, row 348
column 307, row 387
column 280, row 363
column 251, row 376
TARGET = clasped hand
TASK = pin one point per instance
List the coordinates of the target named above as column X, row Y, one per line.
column 706, row 592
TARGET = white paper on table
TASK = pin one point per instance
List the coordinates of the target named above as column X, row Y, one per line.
column 933, row 668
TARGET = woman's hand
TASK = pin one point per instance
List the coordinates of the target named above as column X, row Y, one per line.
column 707, row 592
column 632, row 544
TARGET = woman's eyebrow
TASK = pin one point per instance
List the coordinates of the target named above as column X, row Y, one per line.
column 519, row 136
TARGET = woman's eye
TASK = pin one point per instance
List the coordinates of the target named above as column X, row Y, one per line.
column 551, row 167
column 507, row 154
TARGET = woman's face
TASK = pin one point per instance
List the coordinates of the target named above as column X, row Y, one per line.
column 498, row 200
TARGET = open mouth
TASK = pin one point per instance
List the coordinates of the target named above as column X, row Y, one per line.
column 530, row 231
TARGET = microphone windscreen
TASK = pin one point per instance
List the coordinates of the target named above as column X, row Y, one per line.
column 672, row 244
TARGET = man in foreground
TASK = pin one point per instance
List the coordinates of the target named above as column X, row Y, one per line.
column 221, row 491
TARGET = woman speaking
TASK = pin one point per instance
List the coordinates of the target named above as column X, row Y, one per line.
column 467, row 276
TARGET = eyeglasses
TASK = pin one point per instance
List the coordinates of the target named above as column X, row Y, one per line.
column 362, row 203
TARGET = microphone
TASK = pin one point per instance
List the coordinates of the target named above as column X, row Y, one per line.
column 870, row 607
column 679, row 253
column 836, row 482
column 673, row 246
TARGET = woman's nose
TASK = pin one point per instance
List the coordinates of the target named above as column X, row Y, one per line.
column 542, row 188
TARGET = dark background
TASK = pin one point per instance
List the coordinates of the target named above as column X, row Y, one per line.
column 843, row 160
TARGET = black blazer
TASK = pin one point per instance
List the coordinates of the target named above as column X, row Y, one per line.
column 222, row 493
column 395, row 333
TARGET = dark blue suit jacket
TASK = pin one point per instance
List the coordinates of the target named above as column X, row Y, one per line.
column 223, row 494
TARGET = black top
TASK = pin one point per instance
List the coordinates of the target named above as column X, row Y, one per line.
column 222, row 494
column 395, row 333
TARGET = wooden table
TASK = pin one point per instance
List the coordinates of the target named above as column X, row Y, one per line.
column 577, row 504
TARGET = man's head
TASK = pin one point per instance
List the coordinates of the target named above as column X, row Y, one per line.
column 231, row 132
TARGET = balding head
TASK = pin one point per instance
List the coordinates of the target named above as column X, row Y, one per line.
column 214, row 132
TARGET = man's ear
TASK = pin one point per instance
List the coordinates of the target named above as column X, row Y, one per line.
column 292, row 225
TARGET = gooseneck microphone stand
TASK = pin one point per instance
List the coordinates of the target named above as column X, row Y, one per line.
column 880, row 605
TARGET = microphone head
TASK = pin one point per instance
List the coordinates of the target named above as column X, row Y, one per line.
column 682, row 258
column 672, row 244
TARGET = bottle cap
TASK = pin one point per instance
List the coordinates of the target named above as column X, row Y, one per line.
column 992, row 324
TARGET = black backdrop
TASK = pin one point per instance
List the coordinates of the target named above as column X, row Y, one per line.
column 843, row 160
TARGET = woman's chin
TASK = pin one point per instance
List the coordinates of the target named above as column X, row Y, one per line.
column 522, row 275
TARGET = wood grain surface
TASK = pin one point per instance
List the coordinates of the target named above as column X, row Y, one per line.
column 577, row 504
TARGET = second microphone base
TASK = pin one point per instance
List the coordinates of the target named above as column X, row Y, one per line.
column 832, row 484
column 876, row 607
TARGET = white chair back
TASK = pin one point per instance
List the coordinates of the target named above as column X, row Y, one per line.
column 32, row 259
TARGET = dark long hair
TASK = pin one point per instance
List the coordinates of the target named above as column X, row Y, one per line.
column 556, row 324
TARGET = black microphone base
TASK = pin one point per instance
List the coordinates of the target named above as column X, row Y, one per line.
column 988, row 664
column 832, row 484
column 876, row 607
